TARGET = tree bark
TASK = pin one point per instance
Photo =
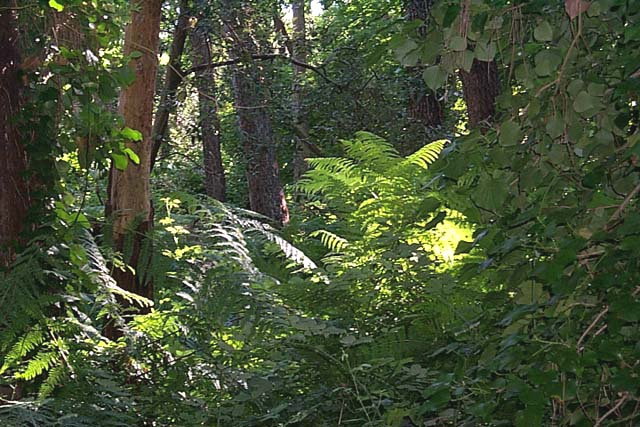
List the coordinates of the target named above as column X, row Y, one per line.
column 266, row 195
column 14, row 188
column 299, row 52
column 423, row 106
column 172, row 81
column 214, row 179
column 481, row 87
column 129, row 202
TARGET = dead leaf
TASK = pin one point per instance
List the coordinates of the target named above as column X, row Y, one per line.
column 576, row 7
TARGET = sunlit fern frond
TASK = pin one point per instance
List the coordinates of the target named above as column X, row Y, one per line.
column 331, row 241
column 98, row 272
column 422, row 158
column 372, row 150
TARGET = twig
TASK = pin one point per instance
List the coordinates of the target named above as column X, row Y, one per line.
column 591, row 326
column 622, row 207
column 623, row 399
column 262, row 57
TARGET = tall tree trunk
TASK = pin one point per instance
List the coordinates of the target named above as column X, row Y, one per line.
column 480, row 84
column 129, row 202
column 266, row 194
column 214, row 179
column 423, row 105
column 481, row 87
column 299, row 52
column 14, row 188
column 172, row 81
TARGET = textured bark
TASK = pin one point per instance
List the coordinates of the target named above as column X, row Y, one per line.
column 14, row 189
column 172, row 81
column 423, row 106
column 481, row 86
column 129, row 202
column 266, row 194
column 214, row 179
column 299, row 52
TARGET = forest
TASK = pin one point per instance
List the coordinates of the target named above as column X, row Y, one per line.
column 367, row 213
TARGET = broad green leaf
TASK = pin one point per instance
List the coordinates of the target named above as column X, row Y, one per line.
column 584, row 102
column 450, row 15
column 467, row 60
column 555, row 127
column 485, row 51
column 491, row 193
column 510, row 133
column 125, row 75
column 119, row 161
column 403, row 48
column 131, row 134
column 57, row 6
column 543, row 32
column 132, row 155
column 547, row 62
column 458, row 43
column 435, row 77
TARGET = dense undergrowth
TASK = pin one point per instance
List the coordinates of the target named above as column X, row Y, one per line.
column 490, row 278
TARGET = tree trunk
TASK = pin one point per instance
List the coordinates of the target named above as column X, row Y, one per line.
column 214, row 179
column 129, row 202
column 423, row 106
column 299, row 52
column 266, row 195
column 172, row 81
column 481, row 87
column 14, row 189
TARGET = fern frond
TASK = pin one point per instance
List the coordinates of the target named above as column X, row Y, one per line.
column 425, row 156
column 39, row 364
column 30, row 341
column 372, row 150
column 98, row 272
column 330, row 240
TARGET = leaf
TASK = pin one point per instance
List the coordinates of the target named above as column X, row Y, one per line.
column 485, row 51
column 120, row 161
column 547, row 62
column 529, row 292
column 458, row 43
column 575, row 7
column 132, row 155
column 450, row 15
column 57, row 6
column 510, row 133
column 435, row 77
column 135, row 54
column 543, row 32
column 491, row 193
column 584, row 102
column 467, row 60
column 131, row 134
column 555, row 127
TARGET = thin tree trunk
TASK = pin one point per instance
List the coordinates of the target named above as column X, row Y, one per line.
column 14, row 188
column 423, row 105
column 214, row 179
column 129, row 202
column 172, row 81
column 299, row 52
column 481, row 87
column 266, row 195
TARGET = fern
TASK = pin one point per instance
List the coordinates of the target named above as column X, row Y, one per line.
column 29, row 342
column 37, row 365
column 330, row 240
column 423, row 157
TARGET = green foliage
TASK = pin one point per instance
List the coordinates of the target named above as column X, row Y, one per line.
column 487, row 279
